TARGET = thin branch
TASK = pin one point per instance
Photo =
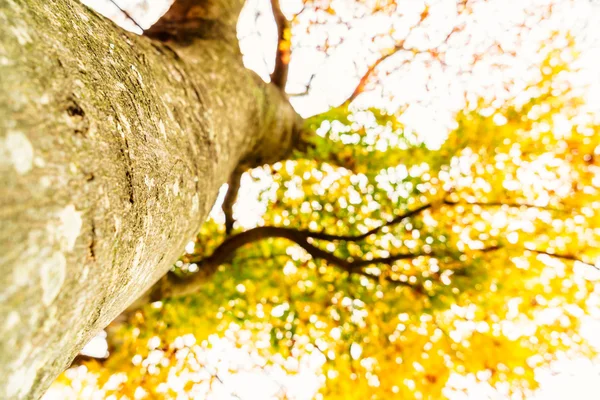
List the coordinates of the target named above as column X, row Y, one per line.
column 501, row 204
column 400, row 46
column 307, row 87
column 350, row 266
column 355, row 238
column 230, row 198
column 416, row 288
column 282, row 56
column 362, row 83
column 126, row 14
column 567, row 257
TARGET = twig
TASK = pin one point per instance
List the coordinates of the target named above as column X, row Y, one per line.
column 127, row 14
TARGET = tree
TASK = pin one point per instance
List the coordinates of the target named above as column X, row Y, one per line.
column 116, row 146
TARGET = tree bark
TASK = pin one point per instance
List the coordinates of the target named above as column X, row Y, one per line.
column 112, row 150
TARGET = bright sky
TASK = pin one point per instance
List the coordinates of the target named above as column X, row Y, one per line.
column 431, row 95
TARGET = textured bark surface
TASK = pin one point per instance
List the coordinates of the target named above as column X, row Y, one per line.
column 112, row 150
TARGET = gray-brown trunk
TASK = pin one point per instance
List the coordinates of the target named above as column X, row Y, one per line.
column 112, row 150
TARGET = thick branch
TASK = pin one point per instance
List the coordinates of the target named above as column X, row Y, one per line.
column 224, row 253
column 187, row 20
column 172, row 286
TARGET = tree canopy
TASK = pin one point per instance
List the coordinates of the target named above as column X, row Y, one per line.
column 383, row 263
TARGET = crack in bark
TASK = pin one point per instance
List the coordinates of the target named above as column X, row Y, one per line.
column 77, row 116
column 126, row 156
column 92, row 242
column 128, row 172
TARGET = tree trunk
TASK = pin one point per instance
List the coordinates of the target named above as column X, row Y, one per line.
column 112, row 150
